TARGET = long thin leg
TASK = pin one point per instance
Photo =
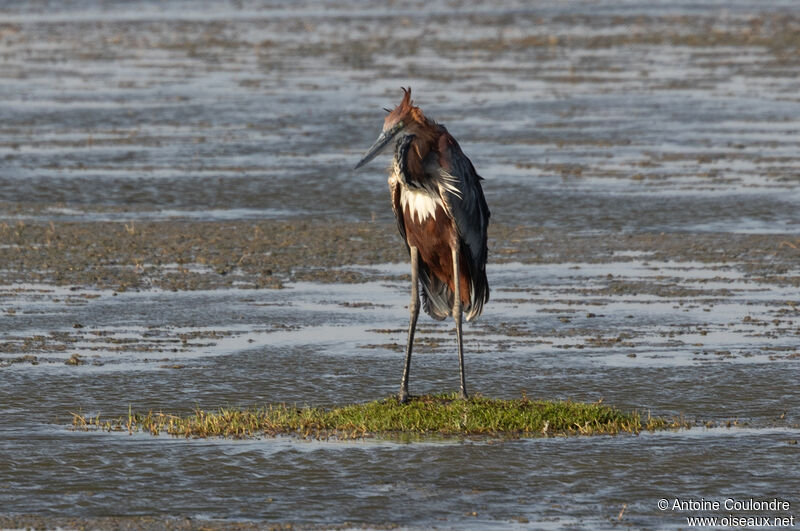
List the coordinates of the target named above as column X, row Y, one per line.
column 457, row 317
column 413, row 308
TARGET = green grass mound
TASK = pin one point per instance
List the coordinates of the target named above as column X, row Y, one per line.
column 430, row 415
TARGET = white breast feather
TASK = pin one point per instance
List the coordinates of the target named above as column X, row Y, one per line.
column 420, row 204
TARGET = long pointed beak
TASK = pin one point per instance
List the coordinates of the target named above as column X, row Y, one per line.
column 383, row 140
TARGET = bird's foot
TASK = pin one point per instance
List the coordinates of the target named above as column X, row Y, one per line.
column 403, row 397
column 463, row 395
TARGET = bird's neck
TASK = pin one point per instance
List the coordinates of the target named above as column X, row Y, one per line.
column 424, row 141
column 415, row 155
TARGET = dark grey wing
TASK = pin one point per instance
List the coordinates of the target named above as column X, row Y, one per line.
column 460, row 190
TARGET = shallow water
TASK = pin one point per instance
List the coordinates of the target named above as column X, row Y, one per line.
column 201, row 111
column 589, row 118
column 325, row 344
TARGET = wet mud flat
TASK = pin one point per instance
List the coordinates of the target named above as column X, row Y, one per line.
column 180, row 228
column 59, row 273
column 132, row 523
column 191, row 255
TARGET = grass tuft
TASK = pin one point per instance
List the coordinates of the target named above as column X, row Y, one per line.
column 430, row 415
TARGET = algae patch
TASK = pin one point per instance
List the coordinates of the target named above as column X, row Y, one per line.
column 430, row 415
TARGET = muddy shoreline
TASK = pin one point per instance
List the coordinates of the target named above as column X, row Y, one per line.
column 130, row 523
column 181, row 255
column 76, row 268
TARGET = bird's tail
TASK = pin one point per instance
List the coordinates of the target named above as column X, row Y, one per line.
column 437, row 297
column 478, row 295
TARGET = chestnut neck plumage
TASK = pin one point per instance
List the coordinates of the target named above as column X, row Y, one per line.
column 421, row 146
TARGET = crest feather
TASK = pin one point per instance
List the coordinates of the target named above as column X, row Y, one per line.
column 406, row 103
column 407, row 112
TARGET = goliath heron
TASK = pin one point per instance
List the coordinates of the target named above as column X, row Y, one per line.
column 442, row 216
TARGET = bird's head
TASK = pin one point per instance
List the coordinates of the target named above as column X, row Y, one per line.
column 405, row 119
